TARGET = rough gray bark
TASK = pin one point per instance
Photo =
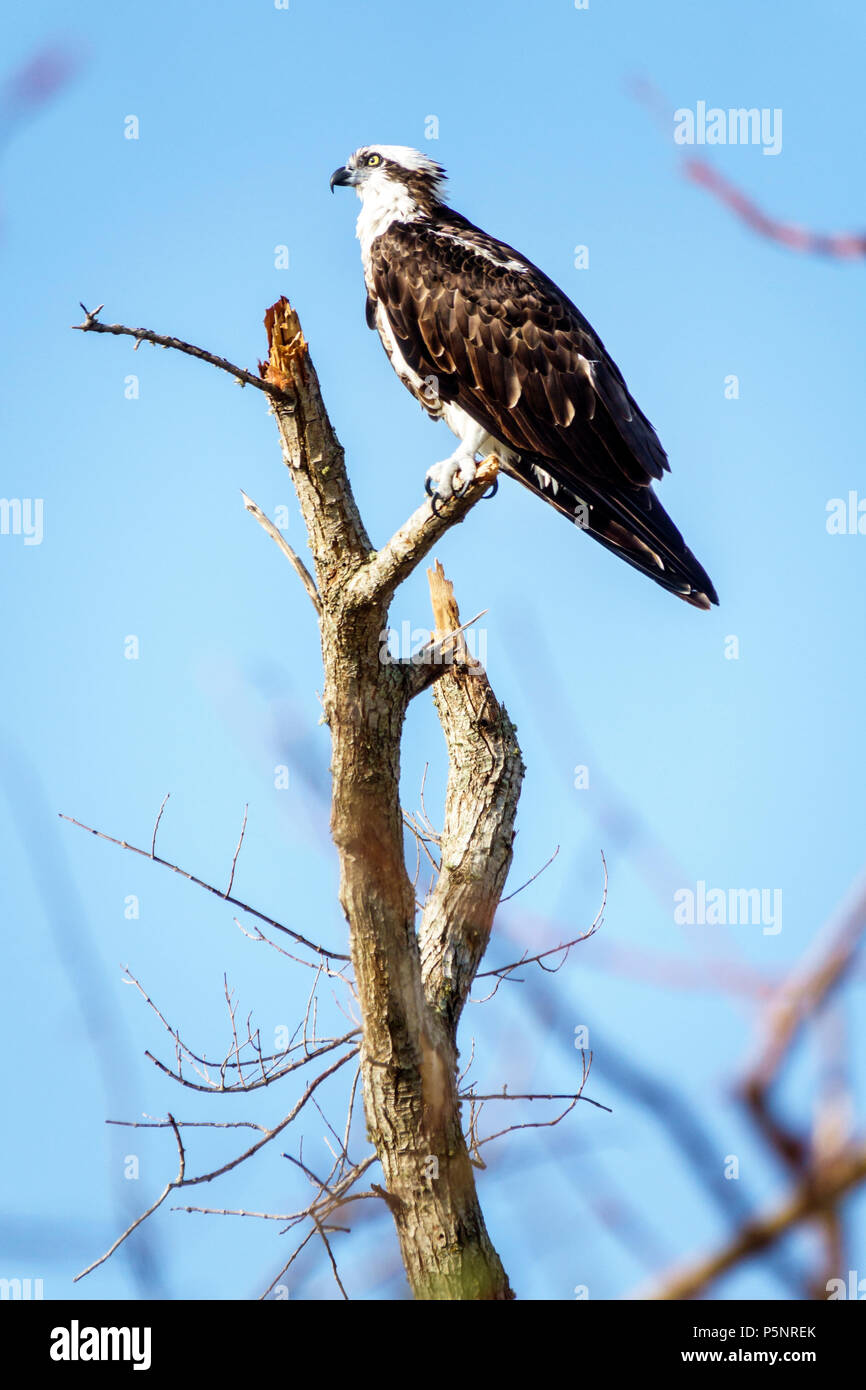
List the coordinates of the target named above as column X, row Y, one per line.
column 411, row 983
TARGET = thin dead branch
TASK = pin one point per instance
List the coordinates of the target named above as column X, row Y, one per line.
column 291, row 555
column 209, row 888
column 92, row 324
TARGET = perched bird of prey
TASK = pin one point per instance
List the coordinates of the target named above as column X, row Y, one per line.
column 487, row 343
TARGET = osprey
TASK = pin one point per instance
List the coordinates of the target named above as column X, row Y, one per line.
column 487, row 343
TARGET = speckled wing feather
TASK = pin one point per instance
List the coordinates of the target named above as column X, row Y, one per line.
column 505, row 344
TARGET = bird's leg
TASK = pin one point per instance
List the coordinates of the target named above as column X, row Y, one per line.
column 442, row 482
column 453, row 475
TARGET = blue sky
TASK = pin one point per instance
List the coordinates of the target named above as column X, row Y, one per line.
column 738, row 773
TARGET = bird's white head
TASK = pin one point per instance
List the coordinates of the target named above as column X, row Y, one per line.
column 395, row 184
column 387, row 173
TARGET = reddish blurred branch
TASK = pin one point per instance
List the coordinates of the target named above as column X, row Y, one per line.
column 837, row 245
column 35, row 83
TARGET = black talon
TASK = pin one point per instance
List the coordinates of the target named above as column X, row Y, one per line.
column 428, row 488
column 492, row 491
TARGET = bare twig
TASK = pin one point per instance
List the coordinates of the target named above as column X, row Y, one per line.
column 237, row 851
column 321, row 1230
column 537, row 874
column 504, row 972
column 217, row 892
column 182, row 1181
column 506, row 1095
column 294, row 559
column 156, row 825
column 92, row 324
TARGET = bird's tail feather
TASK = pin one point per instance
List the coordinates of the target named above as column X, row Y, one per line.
column 629, row 521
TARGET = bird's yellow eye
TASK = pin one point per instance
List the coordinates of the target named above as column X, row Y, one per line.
column 373, row 160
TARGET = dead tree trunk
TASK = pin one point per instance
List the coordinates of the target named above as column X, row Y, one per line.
column 412, row 982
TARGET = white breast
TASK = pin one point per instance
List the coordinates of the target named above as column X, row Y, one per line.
column 383, row 201
column 424, row 391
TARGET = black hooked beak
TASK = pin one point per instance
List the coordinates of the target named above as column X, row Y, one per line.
column 342, row 176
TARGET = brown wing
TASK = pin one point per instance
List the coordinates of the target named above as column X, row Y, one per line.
column 511, row 349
